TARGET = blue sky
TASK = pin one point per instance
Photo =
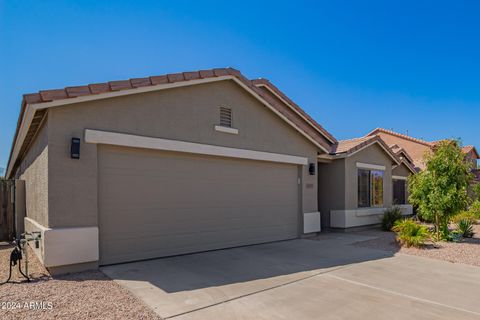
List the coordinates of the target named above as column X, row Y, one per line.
column 352, row 65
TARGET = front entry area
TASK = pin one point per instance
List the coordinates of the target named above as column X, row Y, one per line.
column 159, row 203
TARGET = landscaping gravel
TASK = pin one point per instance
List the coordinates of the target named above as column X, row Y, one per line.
column 84, row 295
column 467, row 251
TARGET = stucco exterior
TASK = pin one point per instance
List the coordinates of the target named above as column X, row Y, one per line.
column 33, row 170
column 186, row 114
column 401, row 170
column 63, row 192
column 331, row 188
column 338, row 189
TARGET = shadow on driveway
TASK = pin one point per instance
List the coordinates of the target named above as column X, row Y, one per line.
column 243, row 264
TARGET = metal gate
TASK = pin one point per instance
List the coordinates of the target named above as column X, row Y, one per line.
column 7, row 210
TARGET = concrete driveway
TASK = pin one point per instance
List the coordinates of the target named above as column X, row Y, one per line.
column 303, row 279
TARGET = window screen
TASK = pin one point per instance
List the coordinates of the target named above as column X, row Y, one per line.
column 399, row 191
column 370, row 188
column 363, row 188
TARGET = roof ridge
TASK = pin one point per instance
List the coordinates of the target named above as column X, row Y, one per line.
column 401, row 135
column 358, row 138
column 274, row 89
column 125, row 84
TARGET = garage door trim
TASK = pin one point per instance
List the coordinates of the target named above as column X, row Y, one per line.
column 136, row 141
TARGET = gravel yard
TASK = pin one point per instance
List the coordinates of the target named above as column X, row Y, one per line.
column 467, row 251
column 85, row 295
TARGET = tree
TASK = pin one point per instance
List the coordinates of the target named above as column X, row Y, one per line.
column 441, row 190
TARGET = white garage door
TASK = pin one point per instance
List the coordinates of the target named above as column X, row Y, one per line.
column 154, row 204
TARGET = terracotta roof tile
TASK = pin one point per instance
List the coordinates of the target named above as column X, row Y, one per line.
column 120, row 85
column 404, row 136
column 233, row 72
column 220, row 72
column 73, row 92
column 413, row 147
column 155, row 80
column 272, row 87
column 351, row 145
column 140, row 82
column 55, row 94
column 206, row 74
column 344, row 146
column 32, row 98
column 96, row 88
column 191, row 75
column 175, row 77
column 288, row 109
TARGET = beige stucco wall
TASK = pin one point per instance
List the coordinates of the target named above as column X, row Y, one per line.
column 371, row 155
column 331, row 188
column 338, row 189
column 187, row 114
column 34, row 171
column 401, row 170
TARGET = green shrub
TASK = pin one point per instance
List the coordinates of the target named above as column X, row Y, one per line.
column 410, row 233
column 464, row 215
column 475, row 209
column 455, row 236
column 465, row 228
column 390, row 217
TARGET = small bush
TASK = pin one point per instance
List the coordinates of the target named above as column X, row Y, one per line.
column 455, row 236
column 410, row 233
column 465, row 228
column 390, row 217
column 475, row 209
column 464, row 215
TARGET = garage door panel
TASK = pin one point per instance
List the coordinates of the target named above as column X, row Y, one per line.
column 154, row 204
column 191, row 242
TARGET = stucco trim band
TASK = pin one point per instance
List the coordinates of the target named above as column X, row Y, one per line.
column 370, row 166
column 65, row 246
column 135, row 141
column 362, row 217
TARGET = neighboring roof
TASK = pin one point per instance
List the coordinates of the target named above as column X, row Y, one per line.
column 348, row 147
column 44, row 99
column 413, row 147
column 469, row 149
column 400, row 152
column 400, row 135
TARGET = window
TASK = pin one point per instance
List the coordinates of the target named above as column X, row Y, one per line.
column 226, row 117
column 370, row 188
column 399, row 191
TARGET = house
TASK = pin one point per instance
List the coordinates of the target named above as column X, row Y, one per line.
column 165, row 165
column 417, row 148
column 359, row 179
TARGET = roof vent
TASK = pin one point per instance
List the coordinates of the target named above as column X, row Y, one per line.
column 226, row 117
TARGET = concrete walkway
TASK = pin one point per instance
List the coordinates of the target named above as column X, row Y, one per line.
column 303, row 279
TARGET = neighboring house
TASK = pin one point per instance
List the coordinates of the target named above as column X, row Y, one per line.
column 165, row 165
column 417, row 148
column 359, row 180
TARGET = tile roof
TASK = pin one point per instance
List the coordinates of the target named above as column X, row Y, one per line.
column 271, row 86
column 290, row 111
column 350, row 145
column 347, row 147
column 118, row 85
column 403, row 136
column 415, row 148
